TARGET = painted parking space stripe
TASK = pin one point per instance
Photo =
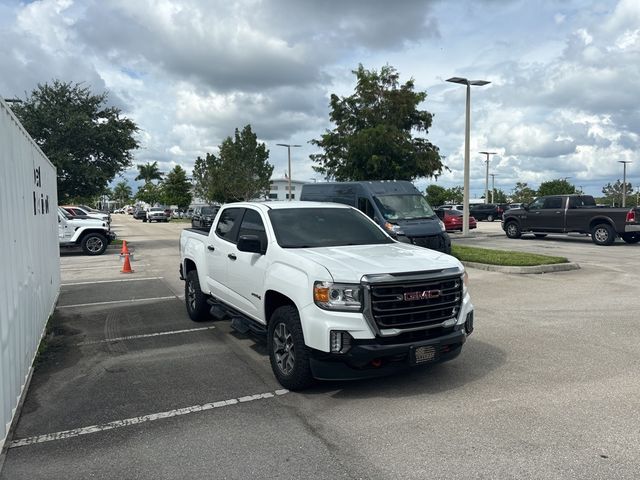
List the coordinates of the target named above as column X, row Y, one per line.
column 146, row 335
column 114, row 302
column 111, row 281
column 76, row 432
column 68, row 269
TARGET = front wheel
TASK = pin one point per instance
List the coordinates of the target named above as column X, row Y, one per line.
column 288, row 353
column 631, row 237
column 512, row 229
column 490, row 218
column 603, row 234
column 94, row 244
column 144, row 220
column 195, row 299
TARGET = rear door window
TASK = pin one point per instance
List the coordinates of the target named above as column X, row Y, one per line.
column 227, row 227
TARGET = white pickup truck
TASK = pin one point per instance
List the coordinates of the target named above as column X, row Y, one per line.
column 90, row 234
column 336, row 297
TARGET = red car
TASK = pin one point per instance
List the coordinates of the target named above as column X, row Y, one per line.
column 453, row 220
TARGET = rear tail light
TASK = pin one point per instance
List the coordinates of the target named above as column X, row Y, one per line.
column 631, row 216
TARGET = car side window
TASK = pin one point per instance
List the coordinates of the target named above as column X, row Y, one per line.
column 227, row 225
column 364, row 205
column 553, row 202
column 252, row 224
column 537, row 204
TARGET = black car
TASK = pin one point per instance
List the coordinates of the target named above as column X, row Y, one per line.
column 486, row 211
column 203, row 217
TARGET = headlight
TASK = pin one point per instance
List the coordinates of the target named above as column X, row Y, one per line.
column 338, row 296
column 393, row 229
column 442, row 227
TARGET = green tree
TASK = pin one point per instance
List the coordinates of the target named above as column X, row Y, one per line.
column 436, row 195
column 176, row 189
column 122, row 193
column 455, row 194
column 522, row 193
column 614, row 192
column 239, row 172
column 149, row 193
column 149, row 172
column 373, row 138
column 556, row 187
column 88, row 141
column 498, row 196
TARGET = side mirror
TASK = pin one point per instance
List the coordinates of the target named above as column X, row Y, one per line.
column 250, row 243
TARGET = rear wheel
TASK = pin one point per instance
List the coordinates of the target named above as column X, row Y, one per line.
column 490, row 218
column 512, row 229
column 195, row 299
column 94, row 244
column 631, row 237
column 288, row 353
column 603, row 234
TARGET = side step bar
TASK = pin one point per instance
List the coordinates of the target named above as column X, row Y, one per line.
column 239, row 322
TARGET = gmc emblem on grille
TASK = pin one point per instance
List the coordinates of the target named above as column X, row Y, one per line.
column 424, row 295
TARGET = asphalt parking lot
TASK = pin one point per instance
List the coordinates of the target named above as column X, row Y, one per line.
column 546, row 387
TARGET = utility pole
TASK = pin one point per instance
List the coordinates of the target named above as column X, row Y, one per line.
column 289, row 155
column 493, row 186
column 467, row 135
column 486, row 178
column 624, row 181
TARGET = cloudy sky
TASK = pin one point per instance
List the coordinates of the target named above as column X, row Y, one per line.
column 563, row 102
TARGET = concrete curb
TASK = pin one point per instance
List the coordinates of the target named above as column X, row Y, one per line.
column 556, row 267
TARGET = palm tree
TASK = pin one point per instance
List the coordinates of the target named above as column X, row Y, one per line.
column 149, row 172
column 122, row 192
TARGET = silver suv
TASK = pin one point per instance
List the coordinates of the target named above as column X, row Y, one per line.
column 158, row 214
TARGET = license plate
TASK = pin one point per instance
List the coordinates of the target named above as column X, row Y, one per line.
column 425, row 354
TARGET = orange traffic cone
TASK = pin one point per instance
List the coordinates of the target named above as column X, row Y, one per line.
column 124, row 250
column 126, row 268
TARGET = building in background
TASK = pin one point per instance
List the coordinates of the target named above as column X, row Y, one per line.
column 280, row 189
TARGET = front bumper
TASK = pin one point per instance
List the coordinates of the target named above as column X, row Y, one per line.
column 369, row 358
column 111, row 236
column 440, row 242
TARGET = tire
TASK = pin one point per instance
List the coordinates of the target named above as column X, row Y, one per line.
column 631, row 237
column 144, row 220
column 512, row 229
column 603, row 234
column 490, row 218
column 540, row 235
column 94, row 244
column 194, row 299
column 288, row 353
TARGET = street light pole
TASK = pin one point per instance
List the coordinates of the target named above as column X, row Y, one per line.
column 624, row 181
column 486, row 178
column 467, row 134
column 289, row 156
column 493, row 186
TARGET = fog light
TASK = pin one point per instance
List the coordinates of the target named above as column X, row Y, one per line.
column 468, row 324
column 339, row 341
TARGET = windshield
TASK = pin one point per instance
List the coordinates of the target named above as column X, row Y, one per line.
column 324, row 227
column 403, row 207
column 208, row 210
column 156, row 209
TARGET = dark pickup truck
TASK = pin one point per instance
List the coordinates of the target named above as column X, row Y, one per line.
column 573, row 213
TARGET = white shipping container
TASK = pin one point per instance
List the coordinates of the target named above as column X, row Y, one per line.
column 30, row 258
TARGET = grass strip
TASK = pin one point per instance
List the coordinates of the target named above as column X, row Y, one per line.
column 502, row 257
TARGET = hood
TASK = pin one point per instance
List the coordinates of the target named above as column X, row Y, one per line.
column 350, row 263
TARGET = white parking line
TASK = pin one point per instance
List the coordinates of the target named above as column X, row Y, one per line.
column 99, row 268
column 112, row 281
column 146, row 335
column 76, row 432
column 113, row 302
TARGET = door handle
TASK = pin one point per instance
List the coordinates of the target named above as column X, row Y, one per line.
column 232, row 256
column 211, row 247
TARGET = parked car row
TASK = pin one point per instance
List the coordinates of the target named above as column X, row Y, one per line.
column 91, row 234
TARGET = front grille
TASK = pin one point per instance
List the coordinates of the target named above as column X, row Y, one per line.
column 415, row 304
